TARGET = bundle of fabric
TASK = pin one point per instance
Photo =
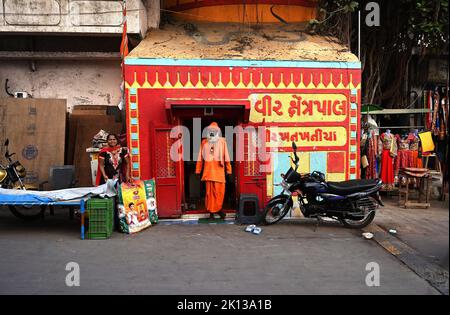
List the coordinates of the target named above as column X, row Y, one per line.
column 415, row 172
column 99, row 140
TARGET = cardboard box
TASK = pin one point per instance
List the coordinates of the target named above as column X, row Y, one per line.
column 36, row 129
column 81, row 132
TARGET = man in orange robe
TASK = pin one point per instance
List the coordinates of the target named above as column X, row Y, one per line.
column 214, row 159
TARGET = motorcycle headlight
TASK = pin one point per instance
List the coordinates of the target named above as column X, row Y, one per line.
column 3, row 175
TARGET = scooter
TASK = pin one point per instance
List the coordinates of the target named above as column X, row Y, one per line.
column 353, row 203
column 11, row 177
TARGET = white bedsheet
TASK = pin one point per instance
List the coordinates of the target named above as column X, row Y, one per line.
column 105, row 190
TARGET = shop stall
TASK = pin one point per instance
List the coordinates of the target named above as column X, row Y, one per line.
column 414, row 138
column 275, row 78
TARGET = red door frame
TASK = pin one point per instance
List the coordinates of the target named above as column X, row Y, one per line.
column 168, row 188
column 255, row 183
column 187, row 104
column 245, row 183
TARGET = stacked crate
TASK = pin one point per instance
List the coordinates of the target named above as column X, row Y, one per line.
column 101, row 218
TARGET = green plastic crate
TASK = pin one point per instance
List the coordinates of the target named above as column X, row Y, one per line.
column 101, row 218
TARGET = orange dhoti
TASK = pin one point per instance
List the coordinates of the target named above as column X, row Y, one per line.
column 215, row 192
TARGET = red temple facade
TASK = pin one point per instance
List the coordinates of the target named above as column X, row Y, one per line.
column 173, row 93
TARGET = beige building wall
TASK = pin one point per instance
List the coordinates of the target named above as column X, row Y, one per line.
column 89, row 77
column 80, row 82
column 74, row 16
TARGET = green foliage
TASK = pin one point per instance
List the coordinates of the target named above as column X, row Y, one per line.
column 422, row 23
column 351, row 7
column 428, row 22
column 335, row 8
column 386, row 50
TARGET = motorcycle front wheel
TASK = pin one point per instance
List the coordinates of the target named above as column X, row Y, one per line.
column 28, row 213
column 274, row 211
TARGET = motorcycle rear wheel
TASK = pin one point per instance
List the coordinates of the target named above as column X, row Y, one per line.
column 274, row 212
column 28, row 213
column 359, row 224
column 366, row 205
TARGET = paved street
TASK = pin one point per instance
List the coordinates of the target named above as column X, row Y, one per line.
column 288, row 258
column 419, row 238
column 425, row 230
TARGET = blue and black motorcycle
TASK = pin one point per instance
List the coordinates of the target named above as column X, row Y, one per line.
column 353, row 202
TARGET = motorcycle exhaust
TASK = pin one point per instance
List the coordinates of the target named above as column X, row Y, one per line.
column 377, row 197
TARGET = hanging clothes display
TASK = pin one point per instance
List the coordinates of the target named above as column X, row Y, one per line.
column 442, row 116
column 369, row 144
column 428, row 105
column 388, row 146
column 364, row 143
column 414, row 146
column 445, row 109
column 369, row 148
column 442, row 143
column 372, row 154
column 436, row 122
column 405, row 156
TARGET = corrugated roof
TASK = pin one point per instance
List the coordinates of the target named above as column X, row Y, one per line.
column 183, row 40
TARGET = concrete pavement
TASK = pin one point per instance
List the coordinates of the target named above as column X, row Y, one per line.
column 420, row 240
column 425, row 230
column 287, row 258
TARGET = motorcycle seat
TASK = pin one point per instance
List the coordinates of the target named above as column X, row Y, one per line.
column 351, row 186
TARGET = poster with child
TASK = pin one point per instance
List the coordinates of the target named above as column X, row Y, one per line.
column 137, row 206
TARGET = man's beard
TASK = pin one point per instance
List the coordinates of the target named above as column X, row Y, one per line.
column 213, row 139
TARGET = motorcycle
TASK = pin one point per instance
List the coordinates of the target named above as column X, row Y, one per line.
column 353, row 203
column 11, row 177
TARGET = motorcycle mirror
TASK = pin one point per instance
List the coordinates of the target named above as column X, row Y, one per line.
column 294, row 146
column 6, row 142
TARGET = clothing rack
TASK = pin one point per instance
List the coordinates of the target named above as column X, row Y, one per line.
column 398, row 111
column 400, row 127
column 416, row 116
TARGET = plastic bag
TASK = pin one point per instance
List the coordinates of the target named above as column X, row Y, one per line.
column 427, row 141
